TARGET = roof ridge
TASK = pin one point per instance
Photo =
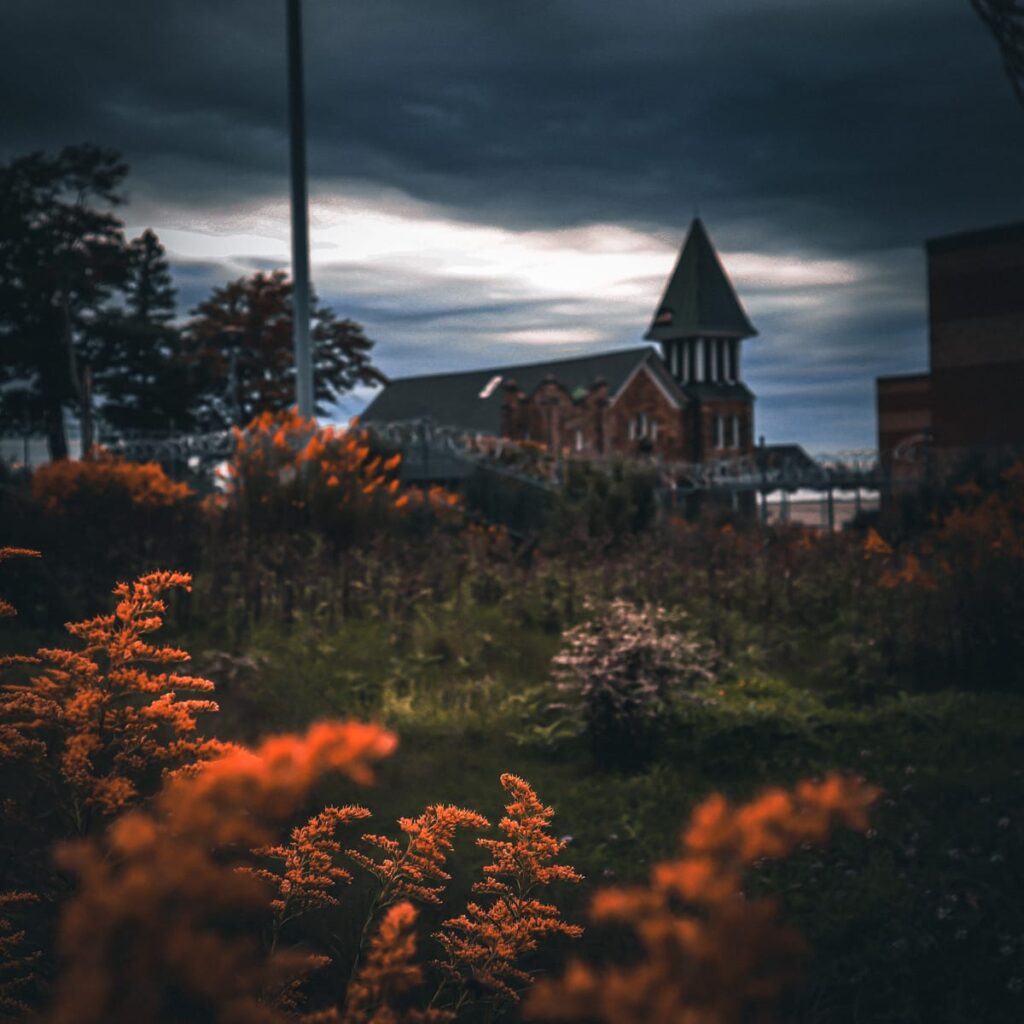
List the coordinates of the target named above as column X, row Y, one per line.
column 529, row 366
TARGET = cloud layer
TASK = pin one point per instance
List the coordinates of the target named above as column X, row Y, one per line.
column 494, row 181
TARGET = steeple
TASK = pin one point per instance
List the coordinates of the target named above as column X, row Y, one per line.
column 699, row 301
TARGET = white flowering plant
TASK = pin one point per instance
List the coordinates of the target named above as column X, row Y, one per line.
column 624, row 670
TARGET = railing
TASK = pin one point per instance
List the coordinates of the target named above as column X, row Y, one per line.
column 423, row 441
column 761, row 470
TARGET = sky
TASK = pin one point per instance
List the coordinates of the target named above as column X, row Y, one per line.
column 496, row 182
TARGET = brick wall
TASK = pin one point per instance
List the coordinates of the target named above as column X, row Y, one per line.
column 551, row 416
column 642, row 396
column 706, row 445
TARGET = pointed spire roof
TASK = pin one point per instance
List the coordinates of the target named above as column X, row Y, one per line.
column 699, row 301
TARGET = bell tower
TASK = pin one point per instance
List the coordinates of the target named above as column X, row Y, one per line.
column 700, row 324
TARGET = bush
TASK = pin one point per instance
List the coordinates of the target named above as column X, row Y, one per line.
column 623, row 671
column 603, row 504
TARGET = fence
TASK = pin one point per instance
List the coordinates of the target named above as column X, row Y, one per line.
column 515, row 482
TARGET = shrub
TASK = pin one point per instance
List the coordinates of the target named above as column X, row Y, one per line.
column 623, row 670
column 289, row 475
column 93, row 724
column 604, row 504
column 105, row 482
column 185, row 891
column 708, row 953
column 96, row 519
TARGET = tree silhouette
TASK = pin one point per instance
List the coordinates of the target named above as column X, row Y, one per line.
column 62, row 255
column 239, row 343
column 142, row 378
column 1005, row 19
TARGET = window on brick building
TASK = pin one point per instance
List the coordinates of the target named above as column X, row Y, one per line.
column 640, row 427
column 719, row 431
column 579, row 441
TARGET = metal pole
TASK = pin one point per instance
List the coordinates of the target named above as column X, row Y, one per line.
column 300, row 216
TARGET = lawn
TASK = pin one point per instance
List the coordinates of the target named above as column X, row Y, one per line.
column 919, row 920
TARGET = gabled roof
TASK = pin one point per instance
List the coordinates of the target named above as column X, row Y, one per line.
column 784, row 456
column 472, row 400
column 699, row 301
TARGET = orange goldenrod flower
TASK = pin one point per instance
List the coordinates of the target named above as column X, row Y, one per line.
column 17, row 964
column 59, row 485
column 875, row 545
column 416, row 870
column 388, row 974
column 709, row 955
column 485, row 944
column 109, row 713
column 167, row 876
column 308, row 874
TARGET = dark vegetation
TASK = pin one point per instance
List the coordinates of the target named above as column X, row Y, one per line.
column 89, row 321
column 629, row 667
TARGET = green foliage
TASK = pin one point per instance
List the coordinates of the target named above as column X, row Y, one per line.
column 240, row 343
column 139, row 372
column 603, row 505
column 62, row 256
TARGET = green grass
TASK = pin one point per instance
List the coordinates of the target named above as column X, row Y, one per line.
column 923, row 919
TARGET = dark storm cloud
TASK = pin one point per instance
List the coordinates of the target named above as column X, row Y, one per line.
column 829, row 130
column 832, row 125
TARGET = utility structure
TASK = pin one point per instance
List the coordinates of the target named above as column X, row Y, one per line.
column 304, row 394
column 1005, row 19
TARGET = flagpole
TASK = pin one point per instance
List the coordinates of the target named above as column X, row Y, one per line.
column 304, row 395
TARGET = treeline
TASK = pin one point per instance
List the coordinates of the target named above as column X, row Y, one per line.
column 89, row 323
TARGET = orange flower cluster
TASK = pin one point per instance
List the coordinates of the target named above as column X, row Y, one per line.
column 168, row 879
column 416, row 871
column 874, row 544
column 283, row 460
column 101, row 716
column 388, row 975
column 987, row 525
column 710, row 955
column 483, row 539
column 17, row 965
column 485, row 944
column 435, row 499
column 910, row 572
column 60, row 485
column 308, row 873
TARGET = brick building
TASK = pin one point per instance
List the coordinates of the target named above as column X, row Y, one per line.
column 973, row 397
column 686, row 402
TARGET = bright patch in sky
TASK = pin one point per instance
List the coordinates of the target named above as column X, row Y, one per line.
column 602, row 260
column 438, row 293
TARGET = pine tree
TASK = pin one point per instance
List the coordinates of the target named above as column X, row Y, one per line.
column 143, row 382
column 62, row 255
